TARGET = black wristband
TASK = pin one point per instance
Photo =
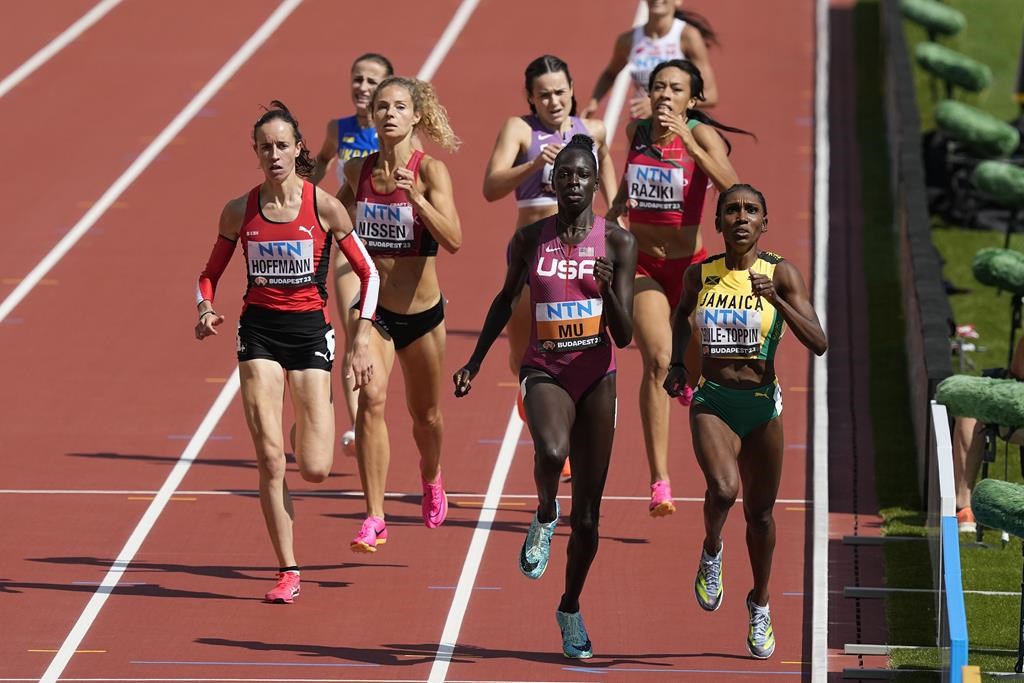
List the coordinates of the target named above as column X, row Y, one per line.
column 204, row 313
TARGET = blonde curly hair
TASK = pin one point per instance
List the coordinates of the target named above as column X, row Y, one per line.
column 433, row 116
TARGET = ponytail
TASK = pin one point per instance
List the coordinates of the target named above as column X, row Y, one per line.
column 699, row 22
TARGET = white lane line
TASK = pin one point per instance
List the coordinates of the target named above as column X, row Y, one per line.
column 819, row 609
column 142, row 529
column 621, row 86
column 56, row 45
column 447, row 39
column 148, row 155
column 352, row 494
column 470, row 567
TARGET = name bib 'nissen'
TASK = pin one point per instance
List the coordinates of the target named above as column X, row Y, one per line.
column 287, row 263
column 385, row 226
column 569, row 325
column 734, row 331
column 654, row 188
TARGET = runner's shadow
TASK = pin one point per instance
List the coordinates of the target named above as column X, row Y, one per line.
column 245, row 463
column 147, row 590
column 383, row 656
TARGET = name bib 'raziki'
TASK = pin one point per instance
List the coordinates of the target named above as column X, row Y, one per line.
column 732, row 331
column 287, row 263
column 385, row 226
column 569, row 325
column 654, row 188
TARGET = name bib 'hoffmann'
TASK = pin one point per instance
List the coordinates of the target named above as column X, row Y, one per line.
column 569, row 325
column 385, row 226
column 287, row 263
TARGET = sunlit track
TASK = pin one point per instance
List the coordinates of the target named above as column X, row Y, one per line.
column 69, row 35
column 132, row 385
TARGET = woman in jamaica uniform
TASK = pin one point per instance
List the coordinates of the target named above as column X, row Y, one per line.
column 743, row 299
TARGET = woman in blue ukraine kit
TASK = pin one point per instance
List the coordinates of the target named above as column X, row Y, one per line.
column 351, row 137
column 743, row 298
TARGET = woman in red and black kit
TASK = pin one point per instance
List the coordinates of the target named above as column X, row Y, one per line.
column 401, row 203
column 284, row 336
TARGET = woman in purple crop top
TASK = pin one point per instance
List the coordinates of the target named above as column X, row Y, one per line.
column 523, row 153
column 582, row 271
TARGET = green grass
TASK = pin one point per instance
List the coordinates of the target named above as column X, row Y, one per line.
column 993, row 36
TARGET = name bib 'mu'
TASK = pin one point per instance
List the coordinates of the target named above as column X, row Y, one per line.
column 655, row 188
column 287, row 263
column 734, row 332
column 569, row 325
column 385, row 226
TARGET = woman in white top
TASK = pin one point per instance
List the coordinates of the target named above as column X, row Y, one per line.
column 670, row 33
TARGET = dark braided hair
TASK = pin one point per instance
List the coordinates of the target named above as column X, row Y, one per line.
column 697, row 91
column 579, row 142
column 738, row 187
column 547, row 64
column 701, row 24
column 304, row 164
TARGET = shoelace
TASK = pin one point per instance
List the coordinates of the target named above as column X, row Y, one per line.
column 538, row 533
column 712, row 574
column 760, row 620
column 574, row 629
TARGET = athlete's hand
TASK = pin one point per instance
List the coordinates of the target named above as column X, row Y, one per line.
column 603, row 272
column 207, row 322
column 547, row 156
column 463, row 379
column 406, row 180
column 762, row 285
column 358, row 366
column 640, row 107
column 677, row 125
column 675, row 381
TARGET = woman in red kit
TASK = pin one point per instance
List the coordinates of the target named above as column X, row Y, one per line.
column 284, row 336
column 673, row 157
column 401, row 203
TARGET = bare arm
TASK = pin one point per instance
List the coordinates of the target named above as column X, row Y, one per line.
column 502, row 177
column 696, row 50
column 788, row 294
column 501, row 307
column 708, row 149
column 620, row 57
column 616, row 274
column 675, row 381
column 328, row 153
column 435, row 205
column 347, row 193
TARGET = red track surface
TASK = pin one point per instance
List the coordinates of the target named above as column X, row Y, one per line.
column 104, row 383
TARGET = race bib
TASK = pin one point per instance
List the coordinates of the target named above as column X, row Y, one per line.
column 656, row 189
column 568, row 325
column 729, row 331
column 385, row 226
column 287, row 263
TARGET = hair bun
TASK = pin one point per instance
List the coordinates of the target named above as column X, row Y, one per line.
column 581, row 140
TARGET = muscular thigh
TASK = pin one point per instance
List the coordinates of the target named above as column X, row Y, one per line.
column 550, row 411
column 422, row 364
column 652, row 326
column 716, row 446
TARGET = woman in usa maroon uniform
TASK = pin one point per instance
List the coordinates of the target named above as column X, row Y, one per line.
column 401, row 203
column 284, row 336
column 580, row 271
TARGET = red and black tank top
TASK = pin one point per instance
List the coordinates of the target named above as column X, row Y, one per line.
column 389, row 224
column 286, row 262
column 665, row 184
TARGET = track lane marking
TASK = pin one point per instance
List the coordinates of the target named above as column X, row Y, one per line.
column 47, row 52
column 142, row 162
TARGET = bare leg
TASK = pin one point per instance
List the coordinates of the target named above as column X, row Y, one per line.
column 653, row 336
column 423, row 368
column 550, row 414
column 373, row 449
column 761, row 470
column 968, row 449
column 717, row 448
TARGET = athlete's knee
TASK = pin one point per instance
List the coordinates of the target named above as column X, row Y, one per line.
column 316, row 472
column 426, row 418
column 759, row 517
column 722, row 493
column 373, row 399
column 272, row 465
column 656, row 364
column 584, row 524
column 551, row 456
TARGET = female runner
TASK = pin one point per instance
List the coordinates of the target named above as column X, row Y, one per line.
column 284, row 337
column 580, row 272
column 743, row 298
column 402, row 207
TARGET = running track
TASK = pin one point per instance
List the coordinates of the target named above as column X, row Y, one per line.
column 104, row 385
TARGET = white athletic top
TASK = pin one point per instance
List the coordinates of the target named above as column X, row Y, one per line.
column 647, row 53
